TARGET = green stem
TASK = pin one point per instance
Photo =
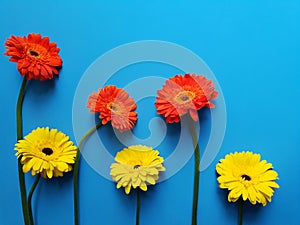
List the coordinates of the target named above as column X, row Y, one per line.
column 196, row 170
column 76, row 170
column 241, row 206
column 138, row 206
column 20, row 136
column 36, row 181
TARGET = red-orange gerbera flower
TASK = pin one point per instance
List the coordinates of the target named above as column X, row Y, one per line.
column 115, row 105
column 36, row 57
column 184, row 94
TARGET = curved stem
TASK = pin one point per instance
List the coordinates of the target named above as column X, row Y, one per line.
column 196, row 170
column 20, row 136
column 138, row 206
column 241, row 206
column 76, row 170
column 36, row 181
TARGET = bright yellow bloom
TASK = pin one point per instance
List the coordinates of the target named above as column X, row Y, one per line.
column 243, row 174
column 47, row 152
column 136, row 166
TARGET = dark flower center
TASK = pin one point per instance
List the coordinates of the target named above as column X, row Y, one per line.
column 113, row 108
column 33, row 53
column 184, row 98
column 47, row 151
column 136, row 166
column 246, row 177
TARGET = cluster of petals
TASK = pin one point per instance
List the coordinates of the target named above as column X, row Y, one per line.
column 136, row 166
column 47, row 152
column 114, row 104
column 182, row 95
column 246, row 176
column 36, row 57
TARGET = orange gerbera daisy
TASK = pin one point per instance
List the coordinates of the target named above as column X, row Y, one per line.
column 36, row 57
column 115, row 105
column 184, row 94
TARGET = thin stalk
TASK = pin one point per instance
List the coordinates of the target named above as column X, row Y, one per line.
column 36, row 181
column 76, row 170
column 20, row 136
column 241, row 206
column 138, row 206
column 196, row 170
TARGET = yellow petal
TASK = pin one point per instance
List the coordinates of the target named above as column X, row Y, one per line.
column 127, row 189
column 49, row 173
column 252, row 194
column 143, row 186
column 37, row 165
column 27, row 166
column 150, row 180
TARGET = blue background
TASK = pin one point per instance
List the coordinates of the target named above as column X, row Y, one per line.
column 251, row 46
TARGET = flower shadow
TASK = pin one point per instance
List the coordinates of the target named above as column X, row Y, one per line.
column 251, row 213
column 40, row 88
column 52, row 187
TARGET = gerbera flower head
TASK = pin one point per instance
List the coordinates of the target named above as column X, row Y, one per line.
column 115, row 105
column 246, row 176
column 46, row 152
column 184, row 94
column 136, row 166
column 36, row 57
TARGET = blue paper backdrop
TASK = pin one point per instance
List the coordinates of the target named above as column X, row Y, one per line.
column 251, row 46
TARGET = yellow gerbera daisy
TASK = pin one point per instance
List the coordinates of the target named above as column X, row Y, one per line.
column 47, row 152
column 243, row 174
column 136, row 166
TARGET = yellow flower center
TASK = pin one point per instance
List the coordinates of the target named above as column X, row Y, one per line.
column 184, row 97
column 47, row 151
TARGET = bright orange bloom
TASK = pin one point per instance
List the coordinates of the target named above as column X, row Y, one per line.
column 184, row 94
column 36, row 57
column 115, row 105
